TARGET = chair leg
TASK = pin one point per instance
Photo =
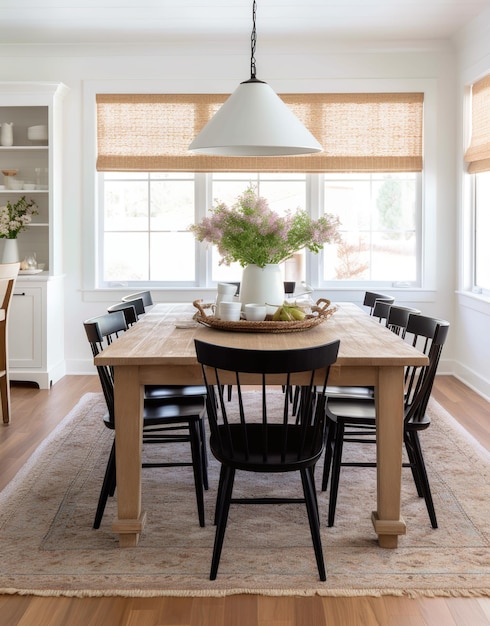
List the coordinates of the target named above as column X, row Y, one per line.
column 219, row 495
column 329, row 446
column 197, row 466
column 5, row 394
column 312, row 472
column 313, row 518
column 336, row 465
column 228, row 475
column 204, row 454
column 412, row 463
column 422, row 472
column 108, row 486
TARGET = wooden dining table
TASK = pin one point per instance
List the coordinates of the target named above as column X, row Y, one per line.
column 159, row 350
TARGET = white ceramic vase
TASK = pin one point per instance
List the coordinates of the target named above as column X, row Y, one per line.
column 7, row 134
column 10, row 251
column 262, row 285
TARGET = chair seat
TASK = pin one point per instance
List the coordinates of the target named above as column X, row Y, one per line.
column 245, row 451
column 361, row 412
column 161, row 415
column 168, row 391
column 350, row 392
column 352, row 410
column 418, row 424
column 175, row 412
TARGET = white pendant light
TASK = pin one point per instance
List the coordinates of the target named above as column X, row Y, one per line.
column 254, row 121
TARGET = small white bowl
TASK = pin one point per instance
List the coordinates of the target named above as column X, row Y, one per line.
column 37, row 133
column 29, row 186
column 255, row 312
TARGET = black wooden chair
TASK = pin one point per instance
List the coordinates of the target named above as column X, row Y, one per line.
column 371, row 297
column 132, row 310
column 267, row 440
column 398, row 316
column 395, row 318
column 354, row 420
column 144, row 296
column 174, row 419
column 379, row 306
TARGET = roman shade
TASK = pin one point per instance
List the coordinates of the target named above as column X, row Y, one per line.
column 374, row 132
column 478, row 153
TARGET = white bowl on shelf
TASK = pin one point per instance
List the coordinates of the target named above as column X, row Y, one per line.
column 37, row 133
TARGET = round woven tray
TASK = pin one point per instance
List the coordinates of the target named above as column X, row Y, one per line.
column 320, row 312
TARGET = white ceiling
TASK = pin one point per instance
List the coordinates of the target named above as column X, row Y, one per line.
column 154, row 21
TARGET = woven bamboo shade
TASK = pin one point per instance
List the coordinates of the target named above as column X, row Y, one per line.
column 478, row 154
column 376, row 132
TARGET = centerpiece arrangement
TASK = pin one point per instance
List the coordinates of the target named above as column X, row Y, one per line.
column 15, row 218
column 259, row 239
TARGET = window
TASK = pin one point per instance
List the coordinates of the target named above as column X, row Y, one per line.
column 148, row 197
column 482, row 228
column 145, row 222
column 145, row 240
column 478, row 157
column 379, row 215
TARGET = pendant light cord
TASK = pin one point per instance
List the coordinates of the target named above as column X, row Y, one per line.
column 253, row 40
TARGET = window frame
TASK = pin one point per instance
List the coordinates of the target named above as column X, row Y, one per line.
column 203, row 195
column 476, row 288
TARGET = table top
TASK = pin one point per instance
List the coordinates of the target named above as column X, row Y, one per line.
column 157, row 339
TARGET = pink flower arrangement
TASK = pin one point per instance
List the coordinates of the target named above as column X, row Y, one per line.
column 251, row 233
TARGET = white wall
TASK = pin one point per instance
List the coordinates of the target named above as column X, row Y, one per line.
column 472, row 312
column 315, row 66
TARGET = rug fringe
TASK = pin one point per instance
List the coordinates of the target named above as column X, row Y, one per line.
column 221, row 593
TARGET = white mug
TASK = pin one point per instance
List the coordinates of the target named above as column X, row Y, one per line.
column 255, row 312
column 226, row 292
column 227, row 288
column 230, row 311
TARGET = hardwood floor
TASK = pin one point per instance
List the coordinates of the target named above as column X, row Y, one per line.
column 36, row 412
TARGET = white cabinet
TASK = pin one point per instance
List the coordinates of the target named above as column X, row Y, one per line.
column 36, row 349
column 35, row 336
column 25, row 327
column 38, row 165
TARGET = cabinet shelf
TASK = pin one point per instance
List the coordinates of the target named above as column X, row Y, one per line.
column 14, row 148
column 6, row 192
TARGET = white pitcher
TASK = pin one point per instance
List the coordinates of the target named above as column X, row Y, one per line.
column 7, row 134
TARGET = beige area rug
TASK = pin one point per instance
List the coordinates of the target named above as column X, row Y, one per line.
column 48, row 546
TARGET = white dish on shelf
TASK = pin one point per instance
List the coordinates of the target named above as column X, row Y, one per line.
column 37, row 133
column 31, row 271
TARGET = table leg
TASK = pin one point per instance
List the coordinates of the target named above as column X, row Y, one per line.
column 387, row 521
column 128, row 403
